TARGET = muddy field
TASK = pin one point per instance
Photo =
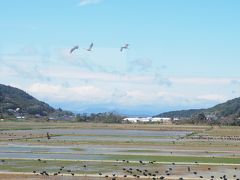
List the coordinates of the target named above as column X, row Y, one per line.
column 115, row 151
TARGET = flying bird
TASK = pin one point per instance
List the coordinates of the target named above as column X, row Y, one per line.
column 124, row 47
column 90, row 47
column 73, row 49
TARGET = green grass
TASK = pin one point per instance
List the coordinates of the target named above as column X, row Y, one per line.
column 170, row 159
column 12, row 165
column 188, row 159
column 119, row 136
column 77, row 149
column 141, row 151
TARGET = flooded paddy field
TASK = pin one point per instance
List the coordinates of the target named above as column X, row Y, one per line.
column 99, row 150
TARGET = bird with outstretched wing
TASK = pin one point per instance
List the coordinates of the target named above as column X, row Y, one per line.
column 73, row 49
column 90, row 47
column 124, row 47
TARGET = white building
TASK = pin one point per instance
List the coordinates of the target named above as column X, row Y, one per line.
column 160, row 119
column 138, row 119
column 20, row 117
column 148, row 119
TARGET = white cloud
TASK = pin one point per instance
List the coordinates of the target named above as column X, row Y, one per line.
column 213, row 97
column 140, row 64
column 87, row 2
column 201, row 80
column 44, row 88
column 6, row 71
column 235, row 82
column 84, row 78
column 60, row 93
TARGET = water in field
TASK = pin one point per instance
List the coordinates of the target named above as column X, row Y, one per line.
column 110, row 132
column 96, row 143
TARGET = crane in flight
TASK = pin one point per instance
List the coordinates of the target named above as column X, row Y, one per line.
column 73, row 49
column 90, row 47
column 124, row 47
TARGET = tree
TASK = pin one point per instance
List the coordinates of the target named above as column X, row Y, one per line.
column 199, row 118
column 81, row 118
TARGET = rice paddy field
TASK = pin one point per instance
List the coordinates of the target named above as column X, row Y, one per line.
column 118, row 151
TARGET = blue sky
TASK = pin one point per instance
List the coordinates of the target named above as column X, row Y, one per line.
column 183, row 54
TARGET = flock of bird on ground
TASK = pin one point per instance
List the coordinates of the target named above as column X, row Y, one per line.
column 129, row 172
column 91, row 47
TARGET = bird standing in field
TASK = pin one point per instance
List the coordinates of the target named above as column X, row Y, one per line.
column 48, row 136
column 124, row 47
column 73, row 49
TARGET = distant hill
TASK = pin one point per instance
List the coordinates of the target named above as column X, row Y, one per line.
column 14, row 99
column 227, row 110
column 180, row 114
column 16, row 102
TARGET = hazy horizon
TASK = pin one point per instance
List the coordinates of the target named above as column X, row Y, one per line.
column 182, row 54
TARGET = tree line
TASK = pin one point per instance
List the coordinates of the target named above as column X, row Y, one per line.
column 106, row 117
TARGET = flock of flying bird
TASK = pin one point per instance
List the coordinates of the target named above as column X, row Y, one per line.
column 91, row 46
